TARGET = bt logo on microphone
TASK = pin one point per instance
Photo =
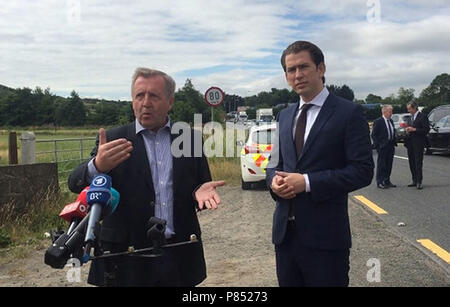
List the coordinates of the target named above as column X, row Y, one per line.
column 99, row 181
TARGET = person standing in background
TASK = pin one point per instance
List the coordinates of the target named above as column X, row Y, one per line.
column 383, row 137
column 415, row 142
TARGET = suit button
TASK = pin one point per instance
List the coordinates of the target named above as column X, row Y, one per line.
column 152, row 203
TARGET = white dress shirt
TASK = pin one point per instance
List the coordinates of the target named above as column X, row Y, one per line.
column 313, row 112
column 389, row 127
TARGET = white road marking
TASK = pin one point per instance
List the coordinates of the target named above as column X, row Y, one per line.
column 403, row 158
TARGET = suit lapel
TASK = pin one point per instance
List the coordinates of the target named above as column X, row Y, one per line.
column 415, row 121
column 325, row 112
column 140, row 155
column 287, row 129
column 386, row 132
column 385, row 128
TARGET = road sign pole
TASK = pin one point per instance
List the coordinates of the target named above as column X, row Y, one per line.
column 214, row 97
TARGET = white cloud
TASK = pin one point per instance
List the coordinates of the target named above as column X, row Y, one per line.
column 380, row 58
column 44, row 43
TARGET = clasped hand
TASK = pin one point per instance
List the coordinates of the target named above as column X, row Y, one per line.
column 288, row 185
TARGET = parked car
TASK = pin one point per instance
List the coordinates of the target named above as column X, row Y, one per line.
column 439, row 135
column 255, row 154
column 400, row 124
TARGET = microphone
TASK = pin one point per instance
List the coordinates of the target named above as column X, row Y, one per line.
column 57, row 255
column 76, row 211
column 98, row 197
column 70, row 243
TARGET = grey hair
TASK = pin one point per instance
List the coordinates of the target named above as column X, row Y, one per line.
column 386, row 106
column 147, row 73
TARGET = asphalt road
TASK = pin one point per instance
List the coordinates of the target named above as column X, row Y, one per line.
column 425, row 213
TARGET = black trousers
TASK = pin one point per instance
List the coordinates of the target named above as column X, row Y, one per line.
column 299, row 266
column 415, row 158
column 384, row 163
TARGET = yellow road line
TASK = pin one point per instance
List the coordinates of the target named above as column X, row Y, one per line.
column 442, row 253
column 370, row 204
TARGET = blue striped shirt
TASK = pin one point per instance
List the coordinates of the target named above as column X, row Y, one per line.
column 158, row 149
column 157, row 146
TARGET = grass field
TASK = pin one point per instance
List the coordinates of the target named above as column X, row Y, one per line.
column 46, row 134
column 68, row 154
column 69, row 151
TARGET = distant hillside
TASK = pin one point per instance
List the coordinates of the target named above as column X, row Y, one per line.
column 37, row 107
column 4, row 90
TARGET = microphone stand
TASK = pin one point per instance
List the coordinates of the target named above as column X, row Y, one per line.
column 143, row 251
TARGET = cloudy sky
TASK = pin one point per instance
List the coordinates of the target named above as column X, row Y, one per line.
column 93, row 46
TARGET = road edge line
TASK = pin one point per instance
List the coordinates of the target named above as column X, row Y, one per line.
column 444, row 266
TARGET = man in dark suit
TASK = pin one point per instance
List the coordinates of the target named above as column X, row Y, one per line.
column 415, row 142
column 383, row 136
column 322, row 156
column 152, row 181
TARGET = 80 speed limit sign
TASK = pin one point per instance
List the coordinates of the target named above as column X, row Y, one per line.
column 214, row 96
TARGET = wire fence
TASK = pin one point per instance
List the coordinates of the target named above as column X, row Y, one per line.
column 66, row 153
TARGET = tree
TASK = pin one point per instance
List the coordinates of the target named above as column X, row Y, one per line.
column 45, row 107
column 105, row 113
column 70, row 111
column 342, row 91
column 405, row 95
column 231, row 102
column 126, row 113
column 195, row 98
column 391, row 99
column 20, row 109
column 182, row 111
column 438, row 92
column 371, row 98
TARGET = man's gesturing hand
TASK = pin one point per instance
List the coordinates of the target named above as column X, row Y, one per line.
column 206, row 195
column 111, row 154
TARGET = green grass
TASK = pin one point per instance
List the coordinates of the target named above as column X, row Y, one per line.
column 21, row 232
column 49, row 134
column 67, row 159
column 221, row 168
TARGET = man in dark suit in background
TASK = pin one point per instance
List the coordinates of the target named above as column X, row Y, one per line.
column 324, row 153
column 383, row 136
column 415, row 142
column 151, row 182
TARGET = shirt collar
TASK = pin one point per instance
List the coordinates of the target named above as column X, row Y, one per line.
column 139, row 127
column 319, row 100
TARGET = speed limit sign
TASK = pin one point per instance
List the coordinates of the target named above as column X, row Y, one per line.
column 214, row 96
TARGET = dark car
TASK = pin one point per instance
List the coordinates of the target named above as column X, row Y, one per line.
column 400, row 124
column 439, row 135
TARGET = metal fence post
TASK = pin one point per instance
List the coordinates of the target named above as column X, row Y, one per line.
column 12, row 148
column 28, row 140
column 55, row 148
column 81, row 149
